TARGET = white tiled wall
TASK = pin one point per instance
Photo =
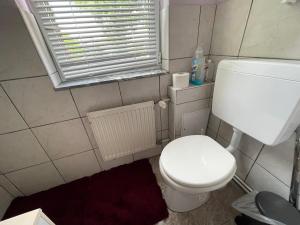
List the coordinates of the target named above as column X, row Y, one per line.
column 45, row 138
column 186, row 27
column 257, row 28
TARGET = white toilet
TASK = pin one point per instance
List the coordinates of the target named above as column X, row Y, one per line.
column 247, row 94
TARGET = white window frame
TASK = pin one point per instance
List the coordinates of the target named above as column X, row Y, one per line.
column 50, row 63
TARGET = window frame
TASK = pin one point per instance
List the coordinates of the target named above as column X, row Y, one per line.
column 40, row 39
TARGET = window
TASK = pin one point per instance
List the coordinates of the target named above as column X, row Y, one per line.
column 100, row 39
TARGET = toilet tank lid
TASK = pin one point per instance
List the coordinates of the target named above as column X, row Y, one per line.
column 277, row 69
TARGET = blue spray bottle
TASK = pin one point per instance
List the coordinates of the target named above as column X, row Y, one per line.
column 198, row 67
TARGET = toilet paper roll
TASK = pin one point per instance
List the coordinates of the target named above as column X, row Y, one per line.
column 181, row 80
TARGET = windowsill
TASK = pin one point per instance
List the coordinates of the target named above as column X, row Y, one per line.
column 101, row 80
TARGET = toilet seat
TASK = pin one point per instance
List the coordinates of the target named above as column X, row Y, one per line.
column 196, row 163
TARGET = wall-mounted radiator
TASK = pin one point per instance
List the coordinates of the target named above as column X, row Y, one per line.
column 124, row 130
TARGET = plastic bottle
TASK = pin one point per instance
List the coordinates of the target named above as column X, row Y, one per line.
column 198, row 67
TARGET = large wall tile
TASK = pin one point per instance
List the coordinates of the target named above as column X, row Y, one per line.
column 272, row 30
column 250, row 146
column 216, row 59
column 180, row 65
column 207, row 18
column 261, row 180
column 38, row 102
column 18, row 150
column 62, row 139
column 78, row 166
column 211, row 133
column 230, row 22
column 10, row 120
column 36, row 178
column 183, row 33
column 279, row 159
column 140, row 90
column 89, row 131
column 6, row 199
column 164, row 83
column 97, row 97
column 214, row 123
column 225, row 131
column 9, row 187
column 244, row 164
column 18, row 55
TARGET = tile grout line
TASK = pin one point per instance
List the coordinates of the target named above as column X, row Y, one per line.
column 91, row 144
column 251, row 57
column 32, row 133
column 73, row 154
column 254, row 161
column 84, row 126
column 15, row 131
column 13, row 184
column 188, row 57
column 273, row 175
column 23, row 78
column 198, row 32
column 33, row 127
column 121, row 93
column 48, row 155
column 212, row 33
column 44, row 162
column 5, row 189
column 239, row 51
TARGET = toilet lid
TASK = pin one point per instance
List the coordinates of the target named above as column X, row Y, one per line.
column 197, row 161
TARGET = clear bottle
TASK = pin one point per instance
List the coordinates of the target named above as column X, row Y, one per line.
column 198, row 67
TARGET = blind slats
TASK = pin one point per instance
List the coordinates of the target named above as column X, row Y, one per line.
column 94, row 40
column 107, row 70
column 104, row 43
column 80, row 36
column 97, row 25
column 100, row 53
column 148, row 9
column 96, row 20
column 100, row 37
column 89, row 71
column 148, row 14
column 106, row 56
column 98, row 65
column 94, row 5
column 97, row 52
column 87, row 31
column 106, row 47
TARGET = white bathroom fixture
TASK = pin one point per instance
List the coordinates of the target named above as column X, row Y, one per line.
column 34, row 217
column 258, row 97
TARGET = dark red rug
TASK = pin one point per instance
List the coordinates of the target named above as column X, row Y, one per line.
column 126, row 195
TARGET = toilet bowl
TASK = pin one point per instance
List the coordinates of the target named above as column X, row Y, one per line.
column 192, row 167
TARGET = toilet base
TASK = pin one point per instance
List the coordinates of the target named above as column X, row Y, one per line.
column 178, row 201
